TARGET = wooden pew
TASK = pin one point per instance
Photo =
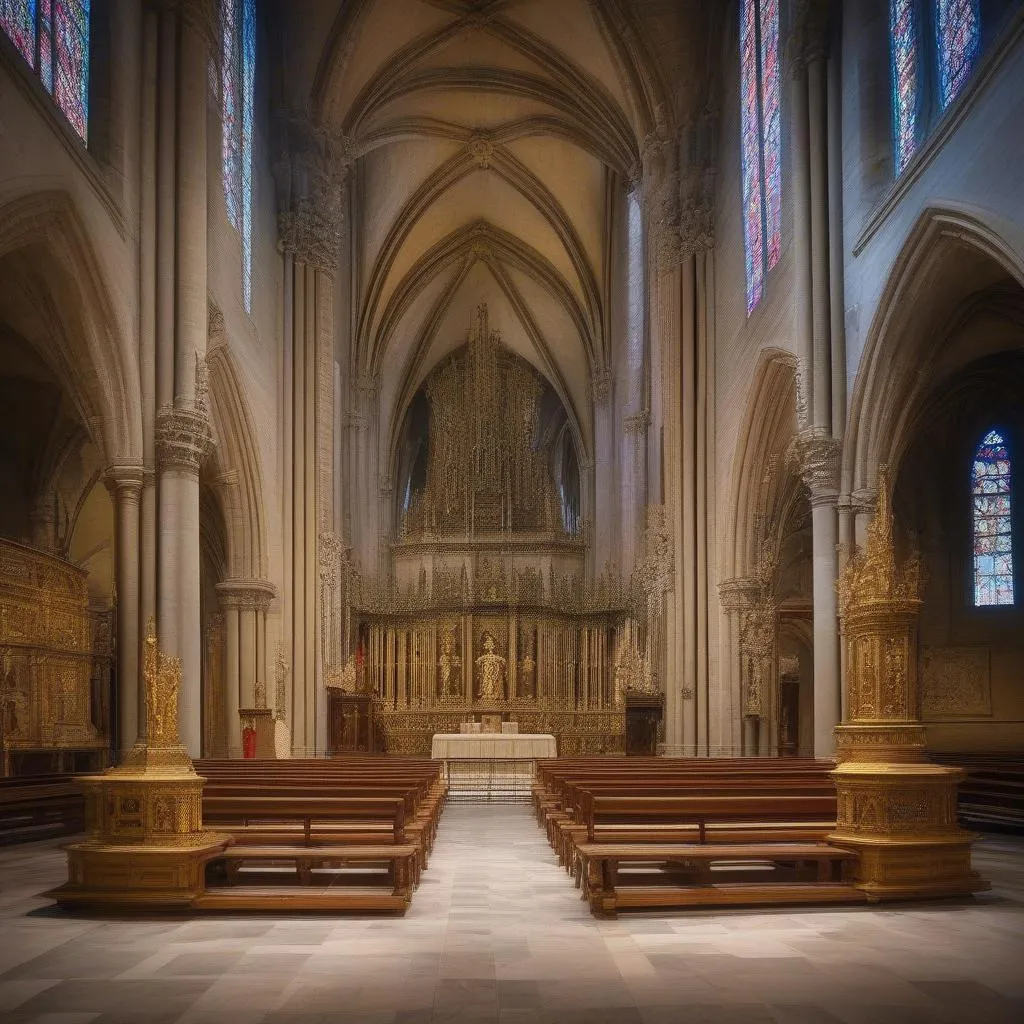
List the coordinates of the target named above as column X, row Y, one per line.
column 39, row 807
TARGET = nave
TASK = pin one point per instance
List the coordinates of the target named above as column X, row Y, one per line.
column 495, row 933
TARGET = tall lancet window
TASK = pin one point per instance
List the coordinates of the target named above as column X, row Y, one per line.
column 760, row 141
column 53, row 37
column 237, row 89
column 957, row 35
column 904, row 61
column 991, row 489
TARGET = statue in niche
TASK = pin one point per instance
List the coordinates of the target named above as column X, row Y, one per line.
column 527, row 667
column 490, row 667
column 449, row 666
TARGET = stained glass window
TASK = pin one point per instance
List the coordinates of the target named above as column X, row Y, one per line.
column 53, row 36
column 237, row 86
column 993, row 540
column 905, row 73
column 771, row 141
column 956, row 39
column 238, row 25
column 760, row 141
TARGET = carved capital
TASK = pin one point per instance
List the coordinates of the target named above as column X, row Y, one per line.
column 601, row 385
column 816, row 457
column 184, row 439
column 312, row 174
column 637, row 424
column 246, row 594
column 738, row 594
column 122, row 481
column 655, row 571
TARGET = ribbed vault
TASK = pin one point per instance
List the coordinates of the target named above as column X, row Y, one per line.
column 490, row 142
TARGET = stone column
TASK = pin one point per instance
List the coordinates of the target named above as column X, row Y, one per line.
column 312, row 179
column 817, row 455
column 733, row 731
column 125, row 483
column 183, row 440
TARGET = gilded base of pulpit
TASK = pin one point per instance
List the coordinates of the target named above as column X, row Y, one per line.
column 145, row 843
column 901, row 819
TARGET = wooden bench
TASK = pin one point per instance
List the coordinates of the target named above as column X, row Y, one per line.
column 401, row 861
column 606, row 894
column 40, row 807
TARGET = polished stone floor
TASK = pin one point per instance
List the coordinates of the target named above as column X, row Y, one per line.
column 497, row 933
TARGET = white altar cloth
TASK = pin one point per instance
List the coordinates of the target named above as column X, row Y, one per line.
column 451, row 745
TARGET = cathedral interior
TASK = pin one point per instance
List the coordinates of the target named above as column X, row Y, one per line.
column 458, row 412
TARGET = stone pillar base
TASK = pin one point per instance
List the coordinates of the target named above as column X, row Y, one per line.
column 901, row 819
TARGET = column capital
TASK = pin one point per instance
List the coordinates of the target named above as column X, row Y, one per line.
column 184, row 438
column 601, row 384
column 815, row 454
column 637, row 423
column 312, row 175
column 738, row 593
column 246, row 594
column 126, row 480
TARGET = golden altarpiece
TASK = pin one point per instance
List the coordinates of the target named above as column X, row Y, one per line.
column 488, row 607
column 54, row 666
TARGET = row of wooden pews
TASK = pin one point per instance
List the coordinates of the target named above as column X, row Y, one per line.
column 344, row 834
column 666, row 832
column 992, row 795
column 39, row 807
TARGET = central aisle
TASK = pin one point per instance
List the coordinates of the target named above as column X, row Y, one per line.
column 496, row 932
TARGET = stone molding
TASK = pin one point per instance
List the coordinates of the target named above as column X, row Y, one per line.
column 246, row 594
column 738, row 594
column 808, row 36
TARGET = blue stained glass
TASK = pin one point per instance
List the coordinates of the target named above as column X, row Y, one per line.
column 53, row 37
column 904, row 61
column 760, row 142
column 991, row 482
column 772, row 130
column 750, row 146
column 957, row 36
column 71, row 61
column 248, row 104
column 238, row 79
column 18, row 20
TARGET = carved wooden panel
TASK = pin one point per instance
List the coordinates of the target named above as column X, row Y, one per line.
column 956, row 681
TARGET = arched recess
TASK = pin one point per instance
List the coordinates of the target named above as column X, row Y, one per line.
column 237, row 470
column 46, row 253
column 762, row 489
column 949, row 255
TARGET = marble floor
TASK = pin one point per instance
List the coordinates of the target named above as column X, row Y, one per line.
column 497, row 933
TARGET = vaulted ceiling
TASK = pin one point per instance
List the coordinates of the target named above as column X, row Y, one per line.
column 489, row 137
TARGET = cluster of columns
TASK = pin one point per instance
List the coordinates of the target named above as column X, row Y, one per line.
column 312, row 186
column 818, row 323
column 244, row 603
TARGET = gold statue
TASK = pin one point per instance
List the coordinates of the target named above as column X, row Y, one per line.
column 163, row 679
column 490, row 668
column 526, row 669
column 449, row 665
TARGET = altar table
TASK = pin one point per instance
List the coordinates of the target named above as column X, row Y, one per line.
column 457, row 745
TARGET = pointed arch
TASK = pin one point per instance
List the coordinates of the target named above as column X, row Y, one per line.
column 904, row 340
column 58, row 267
column 759, row 486
column 240, row 479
